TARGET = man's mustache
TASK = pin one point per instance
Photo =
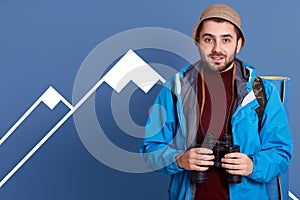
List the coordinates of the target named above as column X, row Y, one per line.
column 216, row 54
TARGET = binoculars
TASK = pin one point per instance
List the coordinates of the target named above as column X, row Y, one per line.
column 220, row 148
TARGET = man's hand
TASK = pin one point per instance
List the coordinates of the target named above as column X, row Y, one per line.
column 198, row 159
column 237, row 164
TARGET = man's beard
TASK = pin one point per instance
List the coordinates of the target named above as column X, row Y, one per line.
column 226, row 66
column 215, row 69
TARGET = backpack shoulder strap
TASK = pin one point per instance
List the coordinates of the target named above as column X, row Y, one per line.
column 260, row 94
column 274, row 188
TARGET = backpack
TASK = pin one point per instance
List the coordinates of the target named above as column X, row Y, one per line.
column 274, row 189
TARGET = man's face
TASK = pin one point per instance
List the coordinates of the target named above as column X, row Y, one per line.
column 218, row 44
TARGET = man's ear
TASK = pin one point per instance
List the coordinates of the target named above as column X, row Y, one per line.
column 239, row 45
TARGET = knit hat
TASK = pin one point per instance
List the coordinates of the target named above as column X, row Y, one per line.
column 219, row 11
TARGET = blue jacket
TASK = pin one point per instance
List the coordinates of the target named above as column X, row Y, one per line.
column 172, row 126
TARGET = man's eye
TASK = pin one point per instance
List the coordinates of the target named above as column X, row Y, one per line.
column 226, row 40
column 208, row 40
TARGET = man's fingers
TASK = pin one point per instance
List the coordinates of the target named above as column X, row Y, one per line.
column 203, row 151
column 232, row 161
column 196, row 159
column 203, row 163
column 231, row 166
column 201, row 154
column 234, row 155
column 237, row 164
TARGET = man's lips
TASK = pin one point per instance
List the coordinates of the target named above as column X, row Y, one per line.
column 217, row 57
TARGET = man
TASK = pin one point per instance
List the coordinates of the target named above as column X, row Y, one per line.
column 215, row 97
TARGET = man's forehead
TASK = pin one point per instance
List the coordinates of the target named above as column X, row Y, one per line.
column 213, row 28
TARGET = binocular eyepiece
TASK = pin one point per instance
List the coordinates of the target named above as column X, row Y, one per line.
column 220, row 148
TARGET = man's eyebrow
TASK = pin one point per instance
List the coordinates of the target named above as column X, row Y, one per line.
column 227, row 35
column 208, row 35
column 211, row 35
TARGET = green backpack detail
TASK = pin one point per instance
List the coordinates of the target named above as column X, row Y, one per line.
column 274, row 188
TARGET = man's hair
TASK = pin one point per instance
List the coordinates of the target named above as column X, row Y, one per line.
column 218, row 20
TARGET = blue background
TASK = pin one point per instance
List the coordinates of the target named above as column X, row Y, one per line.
column 43, row 43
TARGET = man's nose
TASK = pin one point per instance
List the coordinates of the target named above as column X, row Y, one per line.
column 217, row 46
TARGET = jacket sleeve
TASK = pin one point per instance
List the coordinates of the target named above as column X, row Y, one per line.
column 158, row 148
column 276, row 143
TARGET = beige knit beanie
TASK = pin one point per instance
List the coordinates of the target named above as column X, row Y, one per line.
column 219, row 11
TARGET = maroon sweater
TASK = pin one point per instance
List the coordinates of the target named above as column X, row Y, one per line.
column 216, row 188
